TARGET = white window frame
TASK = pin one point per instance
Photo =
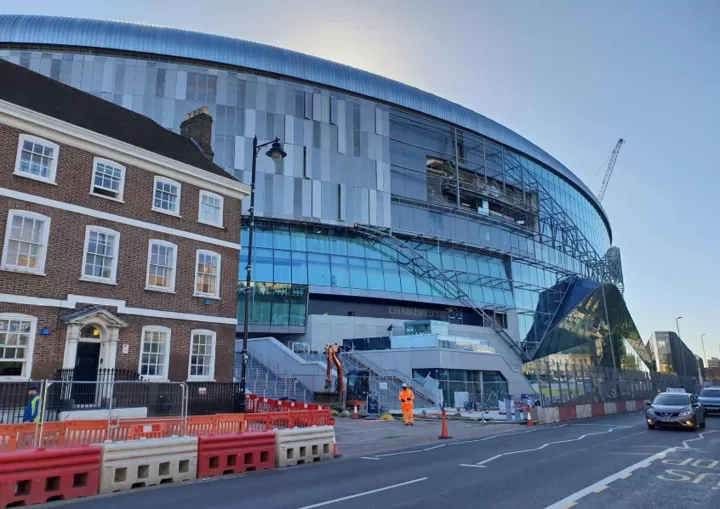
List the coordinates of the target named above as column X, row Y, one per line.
column 108, row 281
column 172, row 182
column 155, row 288
column 222, row 207
column 40, row 269
column 52, row 169
column 196, row 293
column 109, row 162
column 166, row 359
column 31, row 343
column 213, row 356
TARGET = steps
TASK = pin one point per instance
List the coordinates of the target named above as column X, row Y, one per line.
column 262, row 381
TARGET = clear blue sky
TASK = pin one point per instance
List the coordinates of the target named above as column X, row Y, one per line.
column 571, row 76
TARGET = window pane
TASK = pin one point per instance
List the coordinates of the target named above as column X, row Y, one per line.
column 206, row 275
column 375, row 275
column 319, row 269
column 26, row 242
column 358, row 275
column 391, row 275
column 36, row 159
column 166, row 196
column 107, row 180
column 282, row 266
column 262, row 265
column 100, row 254
column 299, row 268
column 340, row 274
column 153, row 354
column 162, row 266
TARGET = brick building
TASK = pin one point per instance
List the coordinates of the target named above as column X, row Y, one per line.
column 120, row 239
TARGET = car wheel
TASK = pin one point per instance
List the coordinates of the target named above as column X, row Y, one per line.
column 702, row 424
column 650, row 426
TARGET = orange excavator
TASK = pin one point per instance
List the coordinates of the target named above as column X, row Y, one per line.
column 355, row 394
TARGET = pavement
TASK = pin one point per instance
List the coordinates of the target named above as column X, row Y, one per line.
column 612, row 461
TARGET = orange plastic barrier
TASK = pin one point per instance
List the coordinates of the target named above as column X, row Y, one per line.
column 75, row 433
column 202, row 425
column 14, row 437
column 231, row 423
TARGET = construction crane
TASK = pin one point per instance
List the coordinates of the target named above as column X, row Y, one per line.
column 610, row 167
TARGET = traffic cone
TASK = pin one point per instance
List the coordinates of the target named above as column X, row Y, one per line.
column 444, row 434
column 529, row 416
column 336, row 454
column 355, row 413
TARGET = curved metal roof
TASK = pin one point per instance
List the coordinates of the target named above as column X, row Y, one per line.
column 140, row 38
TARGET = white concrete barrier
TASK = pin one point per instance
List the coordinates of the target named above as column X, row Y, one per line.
column 140, row 463
column 610, row 408
column 583, row 411
column 298, row 446
column 630, row 406
column 547, row 415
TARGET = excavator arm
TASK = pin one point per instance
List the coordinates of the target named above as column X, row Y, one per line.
column 333, row 359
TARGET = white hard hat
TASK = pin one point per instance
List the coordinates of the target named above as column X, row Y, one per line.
column 404, row 386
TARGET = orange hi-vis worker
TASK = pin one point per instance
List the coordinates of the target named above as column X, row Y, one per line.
column 407, row 404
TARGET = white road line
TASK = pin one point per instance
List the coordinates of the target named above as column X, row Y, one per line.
column 699, row 437
column 571, row 500
column 547, row 444
column 512, row 433
column 357, row 495
column 368, row 458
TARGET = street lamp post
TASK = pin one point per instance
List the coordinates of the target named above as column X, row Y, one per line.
column 276, row 153
column 702, row 341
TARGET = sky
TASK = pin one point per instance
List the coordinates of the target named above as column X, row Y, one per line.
column 572, row 77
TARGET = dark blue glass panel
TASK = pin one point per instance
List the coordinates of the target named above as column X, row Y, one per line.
column 318, row 243
column 376, row 281
column 408, row 281
column 262, row 237
column 281, row 238
column 358, row 276
column 298, row 240
column 340, row 273
column 282, row 266
column 319, row 269
column 262, row 265
column 299, row 267
column 391, row 274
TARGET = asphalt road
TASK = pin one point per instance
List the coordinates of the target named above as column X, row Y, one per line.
column 613, row 462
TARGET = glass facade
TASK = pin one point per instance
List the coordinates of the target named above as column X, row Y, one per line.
column 590, row 326
column 485, row 214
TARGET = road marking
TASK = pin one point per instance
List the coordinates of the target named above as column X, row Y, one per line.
column 548, row 444
column 368, row 458
column 357, row 495
column 572, row 499
column 700, row 436
column 601, row 489
column 474, row 466
column 511, row 433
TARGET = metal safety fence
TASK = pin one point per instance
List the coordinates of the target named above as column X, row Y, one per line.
column 572, row 384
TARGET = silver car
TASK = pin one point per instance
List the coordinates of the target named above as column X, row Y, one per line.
column 675, row 410
column 710, row 399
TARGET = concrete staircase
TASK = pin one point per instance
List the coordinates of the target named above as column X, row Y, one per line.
column 262, row 381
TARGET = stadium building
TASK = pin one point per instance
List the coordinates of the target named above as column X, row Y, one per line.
column 393, row 205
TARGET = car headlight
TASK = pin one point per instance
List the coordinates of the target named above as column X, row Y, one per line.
column 686, row 413
column 650, row 413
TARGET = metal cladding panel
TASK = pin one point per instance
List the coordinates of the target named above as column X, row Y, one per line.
column 114, row 35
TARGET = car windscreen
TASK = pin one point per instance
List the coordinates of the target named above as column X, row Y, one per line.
column 672, row 399
column 710, row 393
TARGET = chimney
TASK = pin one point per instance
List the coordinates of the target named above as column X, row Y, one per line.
column 198, row 127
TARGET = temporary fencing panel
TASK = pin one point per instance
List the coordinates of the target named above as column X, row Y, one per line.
column 14, row 437
column 141, row 463
column 235, row 453
column 38, row 476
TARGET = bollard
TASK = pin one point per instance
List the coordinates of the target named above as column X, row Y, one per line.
column 444, row 433
column 529, row 416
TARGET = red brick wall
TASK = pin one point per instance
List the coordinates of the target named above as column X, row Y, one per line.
column 49, row 350
column 64, row 265
column 64, row 260
column 73, row 178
